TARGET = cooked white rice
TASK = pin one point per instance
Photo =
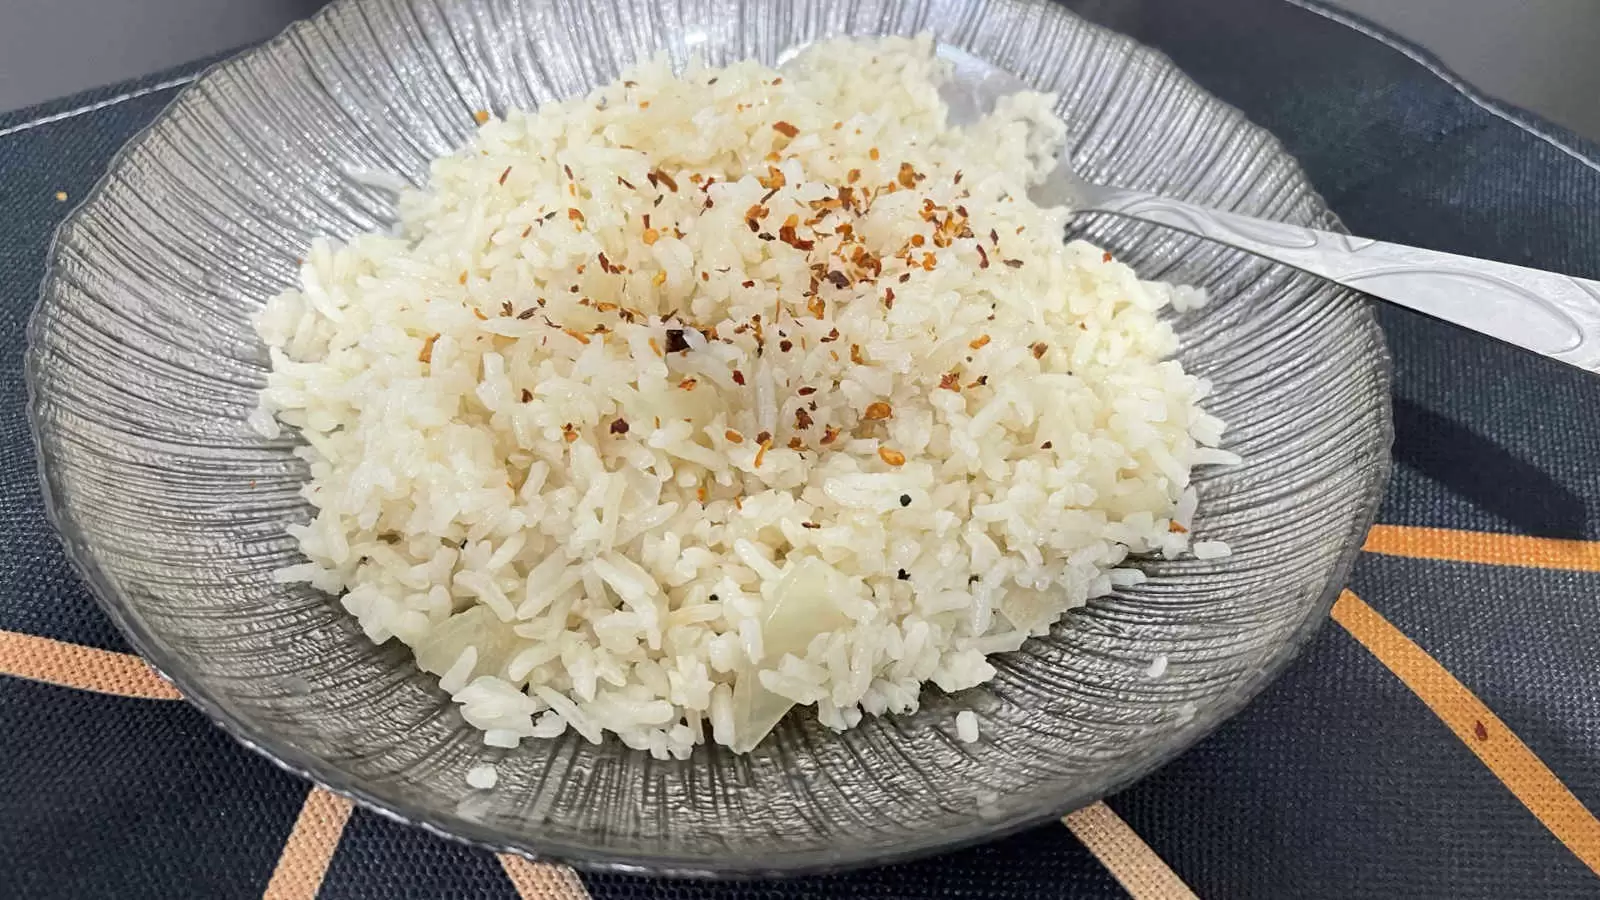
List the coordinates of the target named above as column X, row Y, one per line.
column 674, row 406
column 483, row 777
column 967, row 726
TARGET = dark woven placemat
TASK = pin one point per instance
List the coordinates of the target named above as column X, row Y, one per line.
column 1440, row 740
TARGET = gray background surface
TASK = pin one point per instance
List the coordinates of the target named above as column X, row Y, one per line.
column 1541, row 54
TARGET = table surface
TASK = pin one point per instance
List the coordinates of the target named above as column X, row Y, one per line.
column 1534, row 53
column 1438, row 738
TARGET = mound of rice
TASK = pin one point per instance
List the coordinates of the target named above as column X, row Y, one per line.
column 675, row 406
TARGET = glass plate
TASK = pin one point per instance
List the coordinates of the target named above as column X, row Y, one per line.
column 143, row 368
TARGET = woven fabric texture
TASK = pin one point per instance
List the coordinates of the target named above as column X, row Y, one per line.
column 1440, row 737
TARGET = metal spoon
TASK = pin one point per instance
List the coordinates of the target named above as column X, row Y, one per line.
column 1551, row 314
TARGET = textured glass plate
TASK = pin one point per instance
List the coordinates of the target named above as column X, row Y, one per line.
column 143, row 368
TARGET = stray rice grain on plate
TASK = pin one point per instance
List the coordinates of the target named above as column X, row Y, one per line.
column 677, row 405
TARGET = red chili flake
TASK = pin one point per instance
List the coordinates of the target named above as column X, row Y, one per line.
column 829, row 435
column 855, row 355
column 802, row 419
column 806, row 391
column 504, row 175
column 574, row 214
column 625, row 183
column 812, row 525
column 786, row 345
column 620, row 426
column 950, row 381
column 738, row 377
column 527, row 396
column 789, row 236
column 1039, row 349
column 568, row 432
column 771, row 181
column 1106, row 257
column 994, row 237
column 983, row 258
column 888, row 297
column 688, row 384
column 667, row 180
column 527, row 231
column 568, row 170
column 958, row 180
column 426, row 355
column 1479, row 731
column 784, row 128
column 747, row 285
column 764, row 437
column 838, row 279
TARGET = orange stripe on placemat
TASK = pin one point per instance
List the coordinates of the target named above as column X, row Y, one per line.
column 306, row 854
column 1529, row 779
column 542, row 881
column 85, row 668
column 1484, row 547
column 1125, row 855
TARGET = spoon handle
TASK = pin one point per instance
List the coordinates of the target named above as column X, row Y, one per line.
column 1548, row 313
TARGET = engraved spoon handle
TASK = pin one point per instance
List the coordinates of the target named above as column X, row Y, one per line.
column 1548, row 313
